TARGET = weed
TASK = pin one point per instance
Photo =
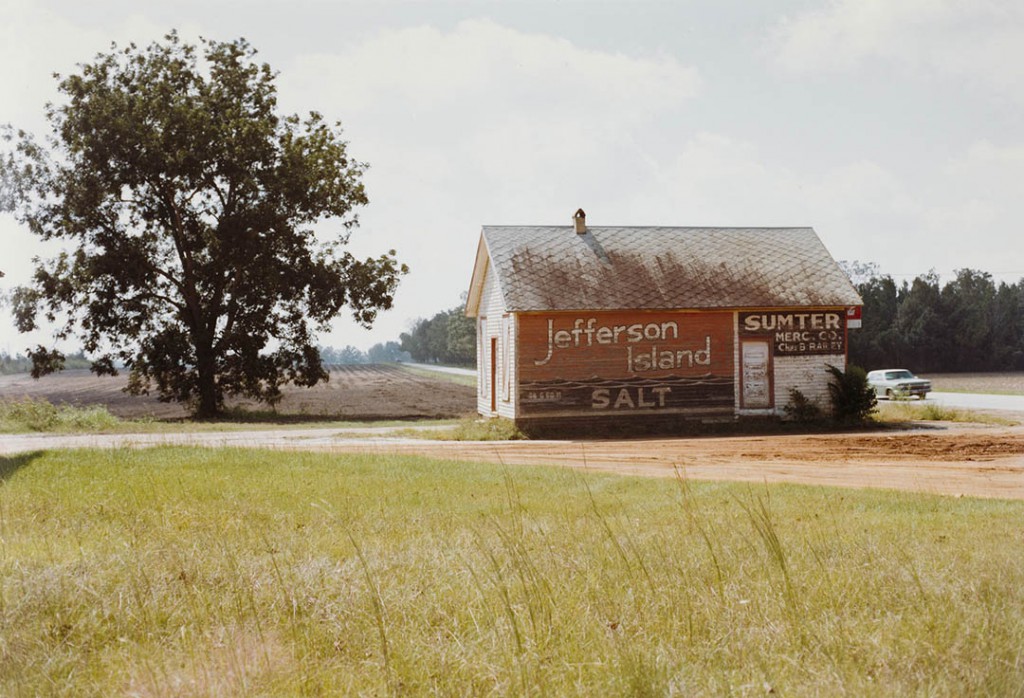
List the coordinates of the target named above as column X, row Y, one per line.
column 801, row 410
column 853, row 399
column 477, row 429
column 30, row 414
column 901, row 410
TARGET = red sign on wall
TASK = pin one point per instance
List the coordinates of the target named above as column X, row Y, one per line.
column 595, row 363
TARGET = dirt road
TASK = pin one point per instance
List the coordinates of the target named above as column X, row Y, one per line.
column 970, row 462
column 977, row 462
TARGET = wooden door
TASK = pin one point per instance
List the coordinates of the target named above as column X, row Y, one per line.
column 755, row 374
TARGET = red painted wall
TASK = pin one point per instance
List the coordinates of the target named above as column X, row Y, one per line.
column 609, row 363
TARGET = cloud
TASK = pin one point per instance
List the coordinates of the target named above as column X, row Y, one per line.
column 718, row 180
column 36, row 42
column 507, row 101
column 979, row 192
column 478, row 123
column 971, row 41
column 427, row 69
column 962, row 216
column 482, row 124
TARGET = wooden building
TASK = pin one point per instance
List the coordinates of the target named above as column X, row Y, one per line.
column 578, row 323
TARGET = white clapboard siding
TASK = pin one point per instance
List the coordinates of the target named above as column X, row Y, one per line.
column 496, row 323
column 809, row 375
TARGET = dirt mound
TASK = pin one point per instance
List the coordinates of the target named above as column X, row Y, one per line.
column 979, row 462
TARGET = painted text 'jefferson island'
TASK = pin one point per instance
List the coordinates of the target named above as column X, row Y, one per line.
column 585, row 332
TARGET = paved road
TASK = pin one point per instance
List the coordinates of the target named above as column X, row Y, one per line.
column 973, row 401
column 444, row 369
column 316, row 438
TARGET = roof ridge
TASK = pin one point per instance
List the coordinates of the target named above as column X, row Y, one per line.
column 667, row 227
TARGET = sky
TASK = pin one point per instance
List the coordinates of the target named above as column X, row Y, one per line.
column 892, row 127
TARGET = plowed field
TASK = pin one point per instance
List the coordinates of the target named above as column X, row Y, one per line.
column 363, row 392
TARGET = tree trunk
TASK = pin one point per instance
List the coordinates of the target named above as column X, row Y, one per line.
column 208, row 406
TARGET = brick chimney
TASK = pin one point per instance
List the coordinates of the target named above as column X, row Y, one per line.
column 579, row 221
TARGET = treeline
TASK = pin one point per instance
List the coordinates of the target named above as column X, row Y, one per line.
column 380, row 353
column 22, row 364
column 447, row 338
column 968, row 324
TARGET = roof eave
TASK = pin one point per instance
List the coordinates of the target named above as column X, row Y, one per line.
column 476, row 282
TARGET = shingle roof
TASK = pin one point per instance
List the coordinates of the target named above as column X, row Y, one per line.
column 615, row 268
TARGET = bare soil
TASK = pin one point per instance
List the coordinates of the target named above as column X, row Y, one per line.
column 362, row 392
column 995, row 383
column 940, row 459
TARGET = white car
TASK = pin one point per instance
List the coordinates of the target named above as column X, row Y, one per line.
column 898, row 383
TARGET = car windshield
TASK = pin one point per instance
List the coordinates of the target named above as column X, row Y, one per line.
column 898, row 375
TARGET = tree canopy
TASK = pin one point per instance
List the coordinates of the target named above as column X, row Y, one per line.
column 187, row 206
column 967, row 324
column 449, row 337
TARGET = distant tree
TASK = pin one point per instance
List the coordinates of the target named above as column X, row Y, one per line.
column 461, row 338
column 969, row 301
column 187, row 204
column 877, row 340
column 14, row 364
column 919, row 332
column 414, row 341
column 1008, row 327
column 437, row 337
column 328, row 355
column 346, row 355
column 387, row 352
column 449, row 338
column 22, row 364
column 351, row 355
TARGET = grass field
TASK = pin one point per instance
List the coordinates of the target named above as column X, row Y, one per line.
column 29, row 415
column 229, row 572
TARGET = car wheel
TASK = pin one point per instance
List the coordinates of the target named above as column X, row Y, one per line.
column 888, row 394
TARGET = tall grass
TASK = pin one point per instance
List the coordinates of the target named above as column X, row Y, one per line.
column 472, row 429
column 226, row 572
column 32, row 414
column 902, row 410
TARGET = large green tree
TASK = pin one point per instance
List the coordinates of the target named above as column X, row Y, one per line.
column 187, row 206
